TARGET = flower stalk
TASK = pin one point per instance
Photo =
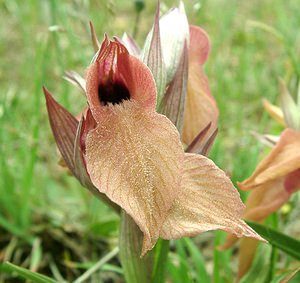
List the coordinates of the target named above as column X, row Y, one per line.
column 136, row 268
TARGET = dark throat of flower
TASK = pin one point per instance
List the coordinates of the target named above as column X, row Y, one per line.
column 113, row 92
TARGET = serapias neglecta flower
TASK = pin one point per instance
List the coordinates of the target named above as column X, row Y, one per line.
column 275, row 178
column 133, row 155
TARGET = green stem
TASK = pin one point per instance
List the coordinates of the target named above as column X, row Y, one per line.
column 136, row 269
column 161, row 256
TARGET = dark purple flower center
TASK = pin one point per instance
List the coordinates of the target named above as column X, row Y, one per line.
column 113, row 93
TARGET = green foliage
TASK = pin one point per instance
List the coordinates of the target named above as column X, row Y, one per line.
column 279, row 240
column 26, row 274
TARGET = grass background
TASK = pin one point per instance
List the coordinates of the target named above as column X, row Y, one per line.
column 48, row 223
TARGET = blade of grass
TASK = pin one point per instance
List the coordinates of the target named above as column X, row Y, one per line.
column 25, row 273
column 97, row 266
column 183, row 262
column 161, row 255
column 28, row 173
column 283, row 242
column 198, row 261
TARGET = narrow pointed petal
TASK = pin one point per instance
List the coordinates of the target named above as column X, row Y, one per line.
column 207, row 201
column 134, row 157
column 198, row 141
column 209, row 142
column 80, row 167
column 153, row 57
column 174, row 100
column 95, row 41
column 131, row 45
column 274, row 111
column 76, row 80
column 282, row 160
column 64, row 127
column 200, row 108
column 88, row 124
column 289, row 107
column 269, row 140
column 203, row 142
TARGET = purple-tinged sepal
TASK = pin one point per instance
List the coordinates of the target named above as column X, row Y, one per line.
column 173, row 102
column 152, row 56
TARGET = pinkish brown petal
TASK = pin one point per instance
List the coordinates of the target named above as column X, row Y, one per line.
column 134, row 156
column 64, row 127
column 85, row 125
column 207, row 201
column 95, row 41
column 265, row 199
column 200, row 107
column 292, row 182
column 199, row 45
column 116, row 76
column 281, row 161
column 274, row 111
column 262, row 202
column 139, row 81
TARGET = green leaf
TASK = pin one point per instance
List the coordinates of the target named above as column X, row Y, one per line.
column 283, row 242
column 174, row 263
column 198, row 261
column 8, row 267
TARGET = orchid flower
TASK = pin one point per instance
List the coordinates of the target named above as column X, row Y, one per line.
column 275, row 179
column 123, row 149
